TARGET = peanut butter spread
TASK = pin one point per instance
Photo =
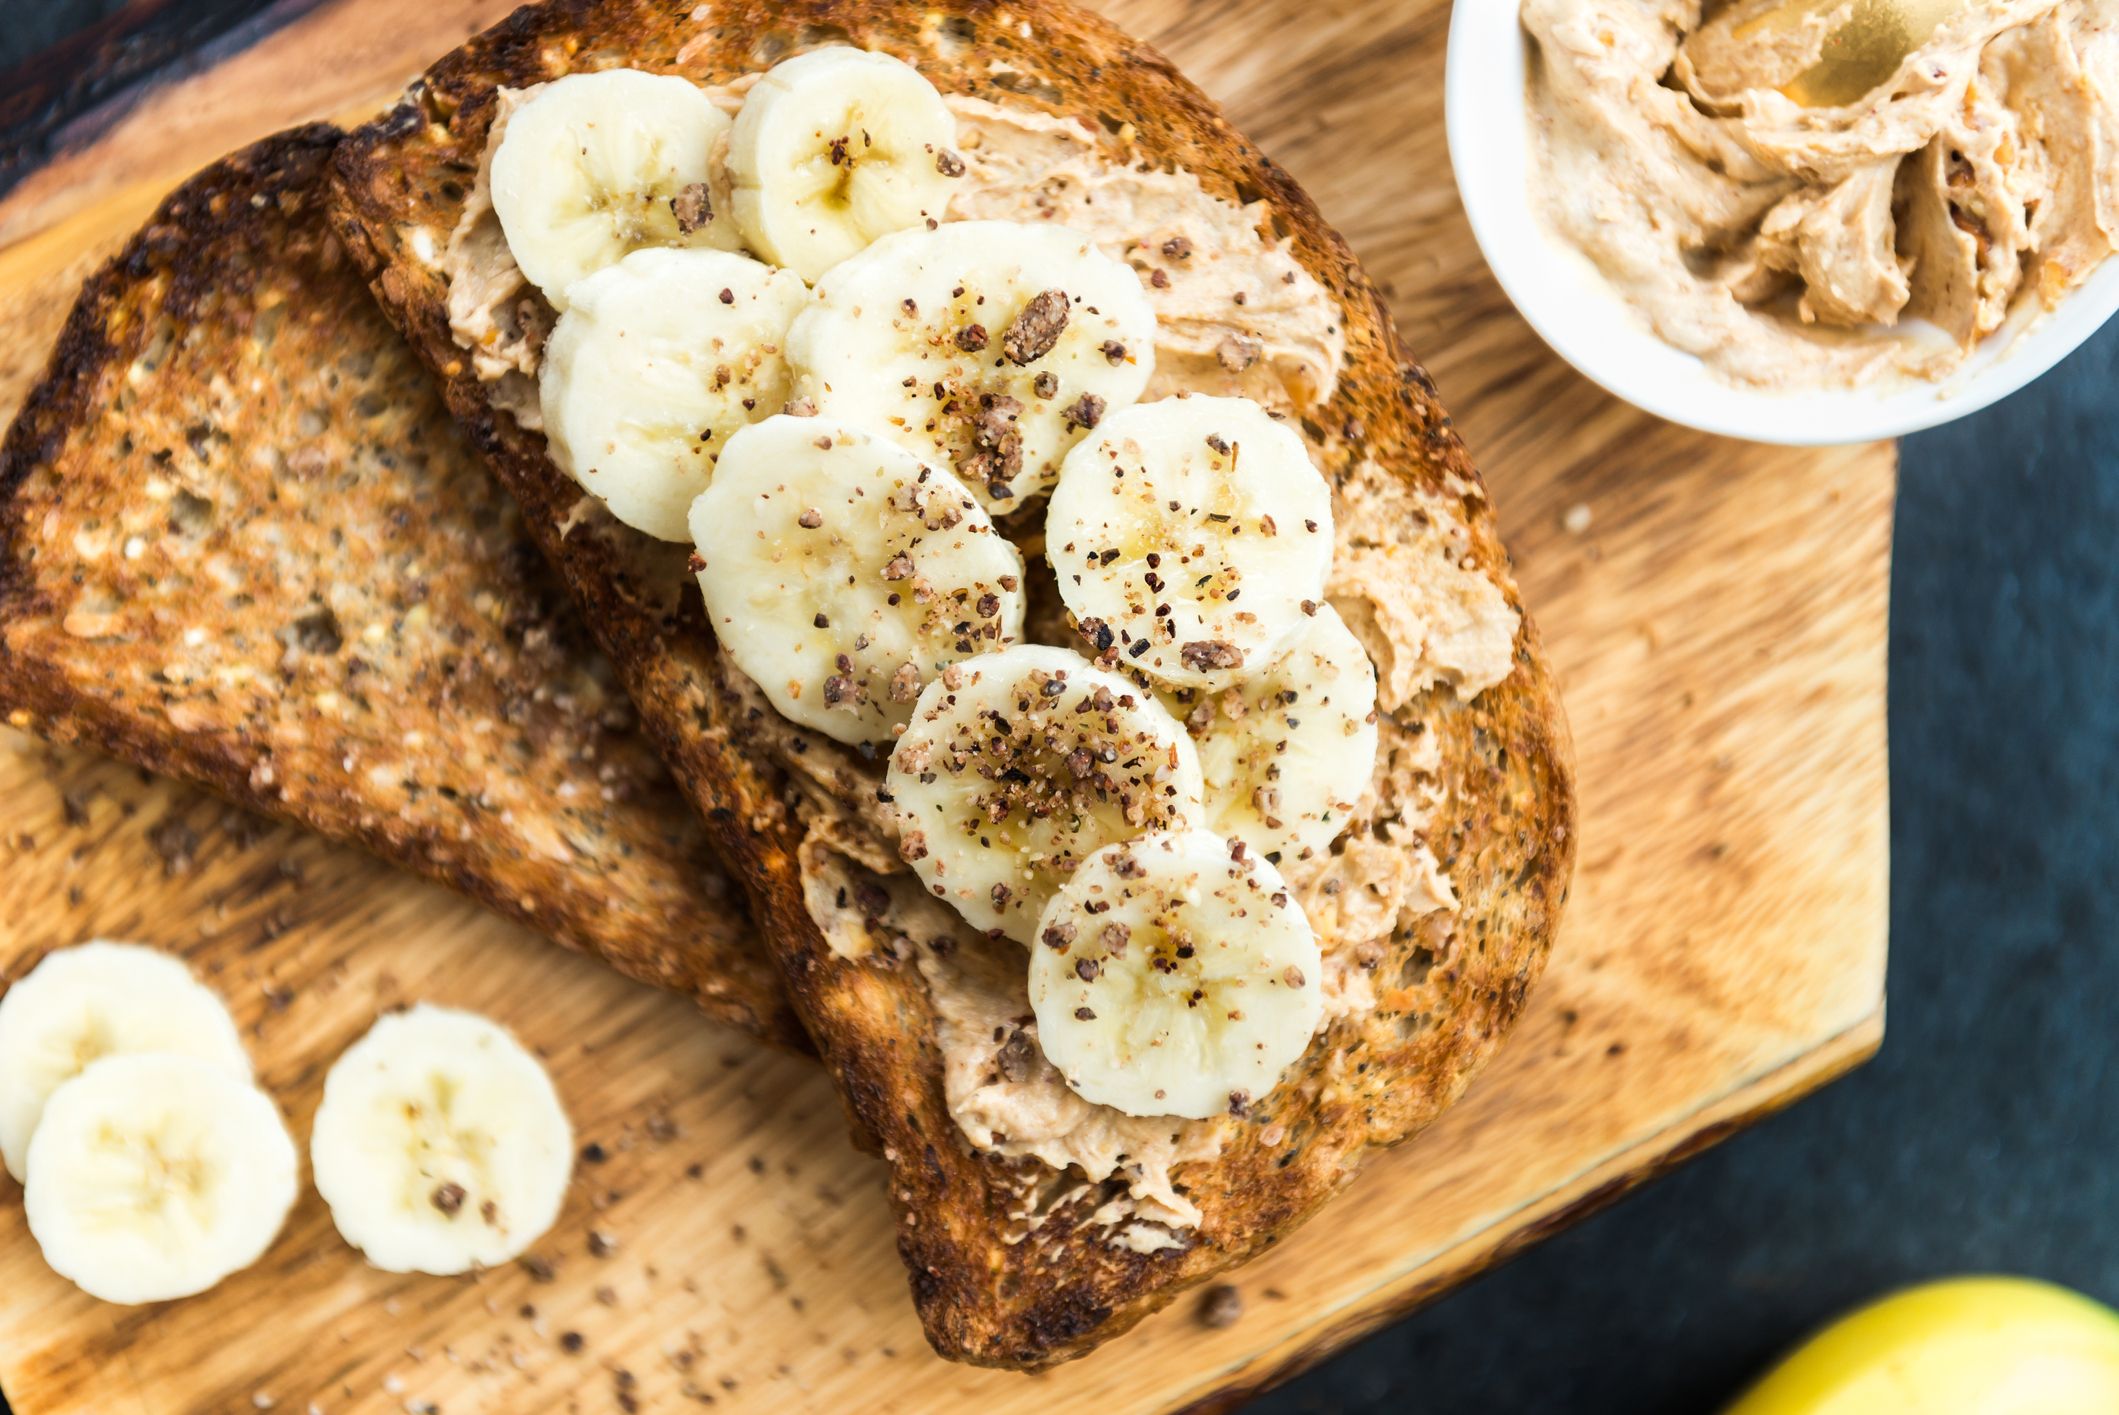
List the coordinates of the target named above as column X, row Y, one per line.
column 1778, row 198
column 1236, row 314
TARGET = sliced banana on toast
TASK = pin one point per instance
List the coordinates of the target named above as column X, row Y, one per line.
column 154, row 1176
column 835, row 148
column 1288, row 751
column 101, row 999
column 989, row 347
column 594, row 166
column 658, row 362
column 1175, row 975
column 441, row 1145
column 1019, row 765
column 1193, row 531
column 843, row 574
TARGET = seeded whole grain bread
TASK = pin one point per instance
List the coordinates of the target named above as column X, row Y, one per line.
column 988, row 1291
column 242, row 544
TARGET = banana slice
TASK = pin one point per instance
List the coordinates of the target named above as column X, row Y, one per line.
column 97, row 1000
column 1288, row 751
column 593, row 166
column 842, row 573
column 1194, row 530
column 440, row 1145
column 660, row 359
column 1175, row 975
column 1020, row 764
column 835, row 148
column 155, row 1176
column 986, row 346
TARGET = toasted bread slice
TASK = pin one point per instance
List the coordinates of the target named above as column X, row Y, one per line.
column 1438, row 915
column 241, row 543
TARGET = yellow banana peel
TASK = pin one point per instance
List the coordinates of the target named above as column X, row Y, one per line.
column 1964, row 1346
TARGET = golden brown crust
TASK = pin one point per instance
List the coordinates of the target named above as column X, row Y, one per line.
column 1504, row 829
column 242, row 544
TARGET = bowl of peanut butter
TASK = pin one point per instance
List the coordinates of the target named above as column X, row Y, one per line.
column 1796, row 221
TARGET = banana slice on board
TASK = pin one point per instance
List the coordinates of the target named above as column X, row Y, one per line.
column 988, row 347
column 100, row 999
column 1289, row 750
column 1175, row 975
column 155, row 1176
column 1020, row 764
column 842, row 573
column 659, row 361
column 1195, row 530
column 441, row 1145
column 835, row 148
column 591, row 167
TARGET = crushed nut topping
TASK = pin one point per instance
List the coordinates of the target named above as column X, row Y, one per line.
column 998, row 458
column 692, row 207
column 1084, row 412
column 1036, row 329
column 1018, row 1057
column 1207, row 655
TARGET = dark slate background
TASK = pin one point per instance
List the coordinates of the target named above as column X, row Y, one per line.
column 1979, row 1140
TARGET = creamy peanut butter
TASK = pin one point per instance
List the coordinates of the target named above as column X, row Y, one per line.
column 1795, row 220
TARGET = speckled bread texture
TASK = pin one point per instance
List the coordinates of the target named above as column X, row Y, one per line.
column 243, row 544
column 988, row 1292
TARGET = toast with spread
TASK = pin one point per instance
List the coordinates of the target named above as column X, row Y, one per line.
column 242, row 544
column 1021, row 530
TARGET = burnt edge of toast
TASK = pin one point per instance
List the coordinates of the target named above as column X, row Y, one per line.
column 1505, row 831
column 205, row 238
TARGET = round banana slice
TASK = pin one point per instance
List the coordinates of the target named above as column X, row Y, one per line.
column 986, row 346
column 661, row 358
column 842, row 573
column 1020, row 764
column 1194, row 530
column 1288, row 751
column 97, row 1000
column 835, row 148
column 593, row 166
column 440, row 1145
column 1175, row 975
column 155, row 1176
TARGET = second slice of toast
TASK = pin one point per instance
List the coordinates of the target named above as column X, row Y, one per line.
column 242, row 543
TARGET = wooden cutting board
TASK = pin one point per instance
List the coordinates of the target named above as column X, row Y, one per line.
column 1717, row 612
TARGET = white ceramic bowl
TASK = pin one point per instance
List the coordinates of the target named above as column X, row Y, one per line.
column 1578, row 313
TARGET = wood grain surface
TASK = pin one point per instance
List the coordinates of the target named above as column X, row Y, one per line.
column 1717, row 612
